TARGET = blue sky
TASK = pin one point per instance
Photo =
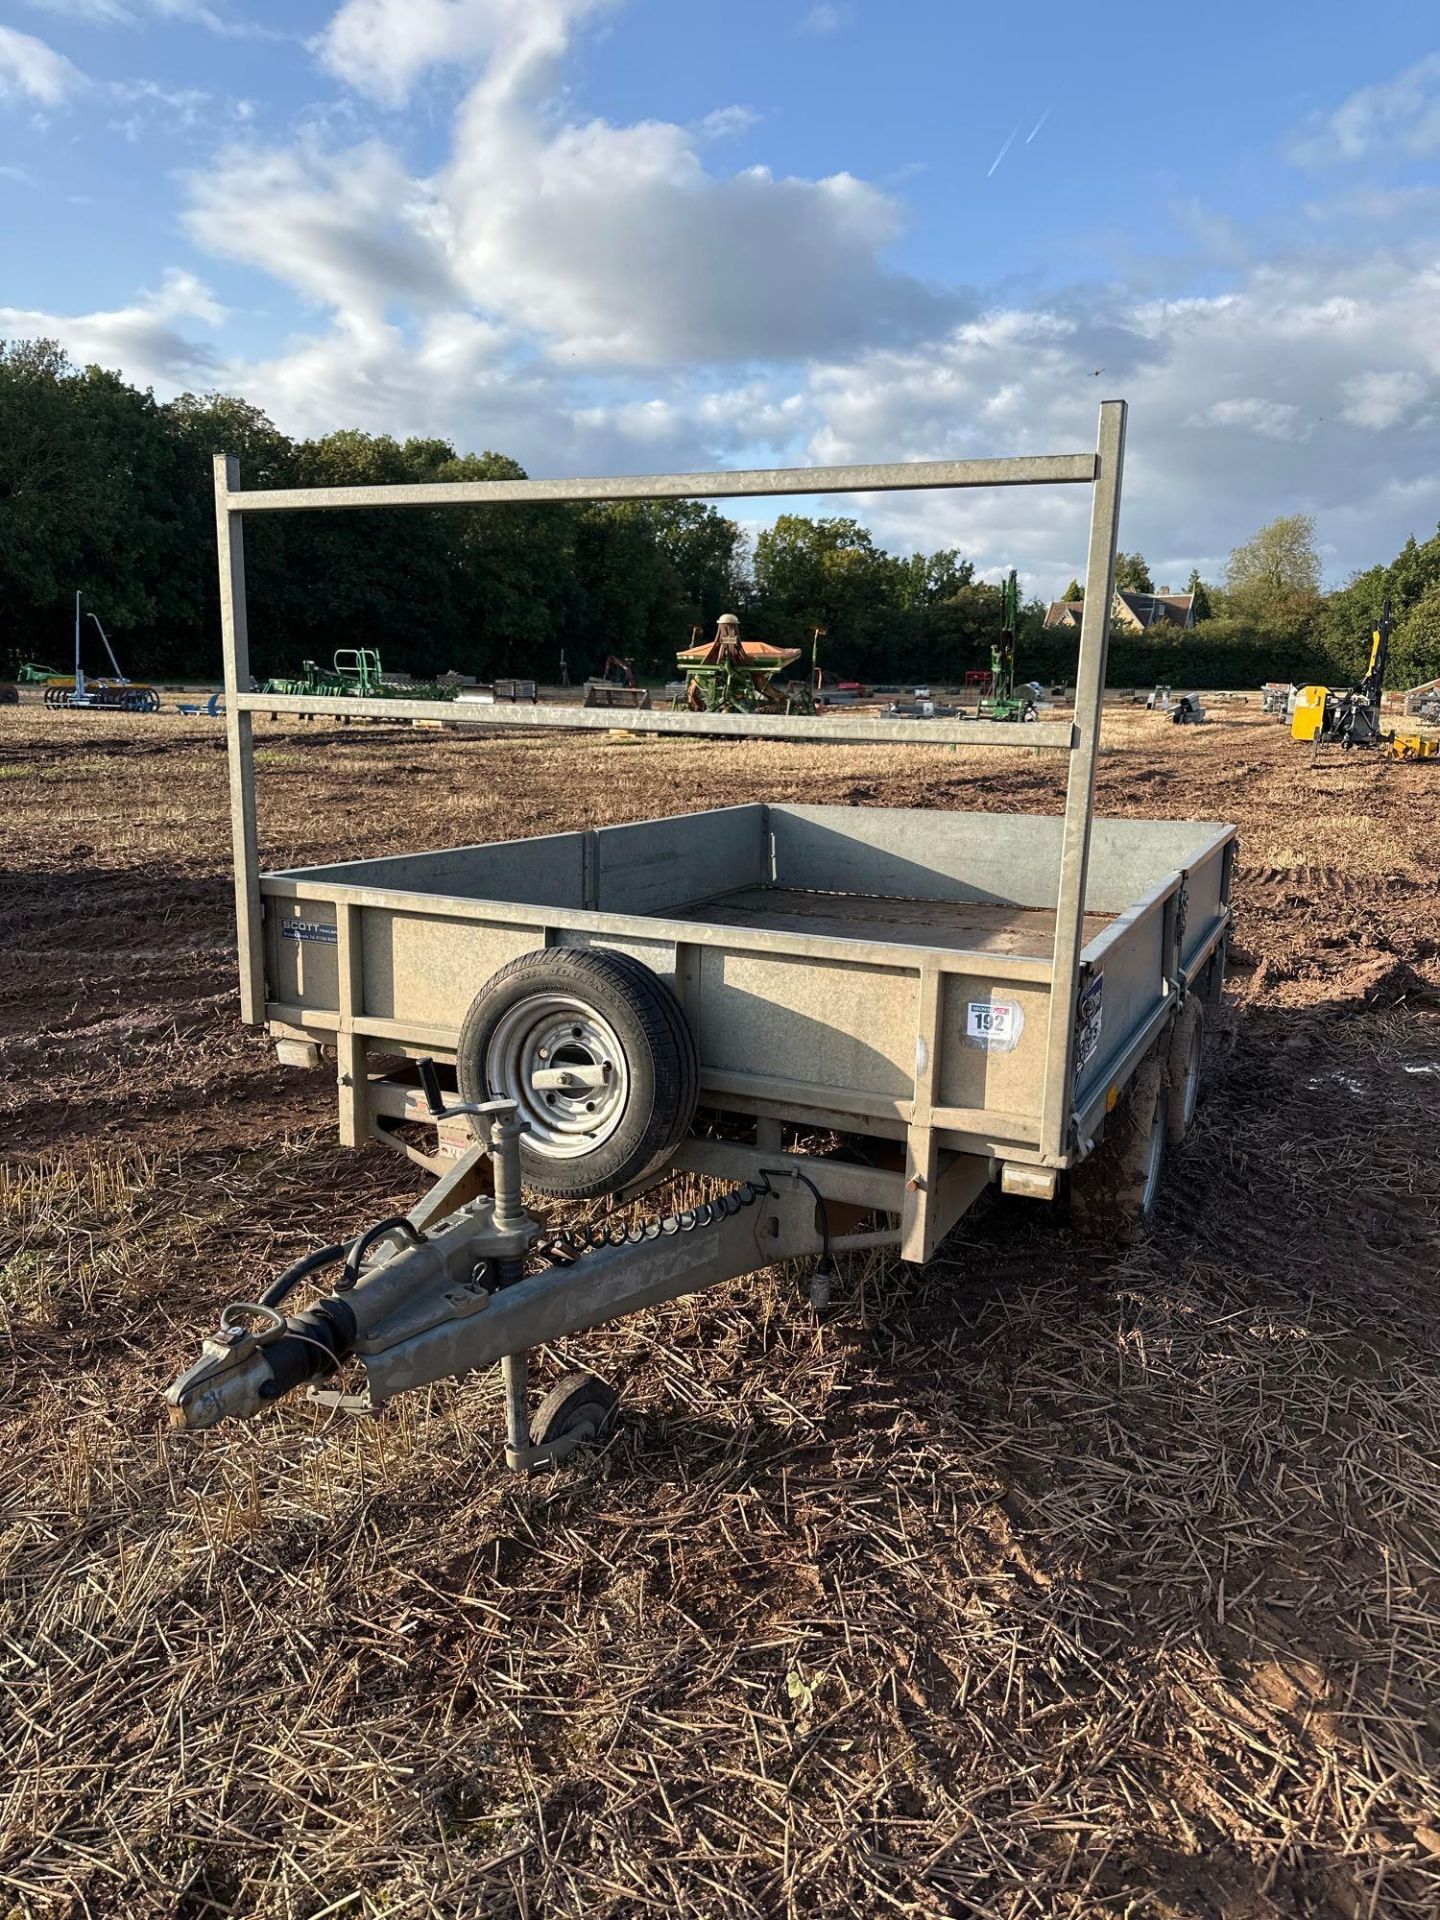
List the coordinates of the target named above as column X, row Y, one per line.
column 631, row 234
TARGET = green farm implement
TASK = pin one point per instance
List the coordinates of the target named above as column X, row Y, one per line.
column 1006, row 701
column 731, row 675
column 356, row 671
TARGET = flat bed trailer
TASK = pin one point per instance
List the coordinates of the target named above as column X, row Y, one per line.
column 863, row 970
column 861, row 1018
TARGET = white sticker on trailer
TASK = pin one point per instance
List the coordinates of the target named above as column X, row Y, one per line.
column 995, row 1026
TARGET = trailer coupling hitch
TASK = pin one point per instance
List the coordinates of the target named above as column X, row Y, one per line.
column 256, row 1356
column 456, row 1297
column 259, row 1353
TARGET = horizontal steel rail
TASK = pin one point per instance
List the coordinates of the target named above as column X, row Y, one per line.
column 839, row 726
column 1036, row 470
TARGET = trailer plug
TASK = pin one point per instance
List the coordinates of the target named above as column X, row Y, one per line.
column 822, row 1279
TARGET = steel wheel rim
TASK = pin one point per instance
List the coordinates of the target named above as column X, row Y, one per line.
column 1191, row 1094
column 1154, row 1155
column 549, row 1033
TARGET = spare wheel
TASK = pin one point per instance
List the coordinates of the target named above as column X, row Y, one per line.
column 596, row 1053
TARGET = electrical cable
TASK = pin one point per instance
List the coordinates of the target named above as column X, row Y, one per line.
column 363, row 1242
column 285, row 1284
column 792, row 1173
column 352, row 1252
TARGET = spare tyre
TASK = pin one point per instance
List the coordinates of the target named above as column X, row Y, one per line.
column 596, row 1053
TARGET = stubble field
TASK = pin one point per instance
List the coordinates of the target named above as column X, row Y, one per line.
column 1038, row 1582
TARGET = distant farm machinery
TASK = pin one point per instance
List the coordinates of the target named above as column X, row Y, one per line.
column 731, row 675
column 86, row 693
column 1002, row 699
column 358, row 672
column 1350, row 717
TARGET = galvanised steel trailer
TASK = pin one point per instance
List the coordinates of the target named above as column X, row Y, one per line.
column 949, row 1001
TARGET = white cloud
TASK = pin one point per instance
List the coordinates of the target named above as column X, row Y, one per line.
column 1367, row 208
column 351, row 230
column 620, row 247
column 1272, row 419
column 1395, row 116
column 227, row 26
column 372, row 374
column 150, row 104
column 1379, row 401
column 143, row 340
column 614, row 245
column 382, row 47
column 110, row 13
column 116, row 13
column 725, row 122
column 31, row 70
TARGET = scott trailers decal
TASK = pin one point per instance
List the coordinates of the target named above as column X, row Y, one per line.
column 319, row 930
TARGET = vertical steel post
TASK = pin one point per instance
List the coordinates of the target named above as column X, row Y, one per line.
column 239, row 740
column 1080, row 786
column 922, row 1148
column 515, row 1378
column 351, row 1048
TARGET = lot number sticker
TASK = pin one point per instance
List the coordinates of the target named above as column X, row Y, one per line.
column 994, row 1025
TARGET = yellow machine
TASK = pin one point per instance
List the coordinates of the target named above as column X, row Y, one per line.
column 1346, row 716
column 1308, row 717
column 1350, row 716
column 1412, row 746
column 88, row 694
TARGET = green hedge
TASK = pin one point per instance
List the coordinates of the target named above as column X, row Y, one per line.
column 1217, row 653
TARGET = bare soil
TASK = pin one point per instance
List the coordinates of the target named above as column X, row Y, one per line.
column 1040, row 1582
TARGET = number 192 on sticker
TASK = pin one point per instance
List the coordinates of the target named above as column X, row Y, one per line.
column 993, row 1024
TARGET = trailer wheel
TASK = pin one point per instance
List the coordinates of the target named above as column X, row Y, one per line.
column 595, row 1051
column 1113, row 1192
column 1183, row 1071
column 576, row 1409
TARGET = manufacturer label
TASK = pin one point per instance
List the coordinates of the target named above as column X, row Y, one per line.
column 309, row 930
column 1089, row 1018
column 994, row 1026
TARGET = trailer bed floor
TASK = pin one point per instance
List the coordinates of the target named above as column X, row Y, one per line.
column 965, row 926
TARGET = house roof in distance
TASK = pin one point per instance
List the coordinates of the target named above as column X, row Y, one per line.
column 1131, row 609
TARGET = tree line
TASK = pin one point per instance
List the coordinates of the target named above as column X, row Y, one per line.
column 107, row 490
